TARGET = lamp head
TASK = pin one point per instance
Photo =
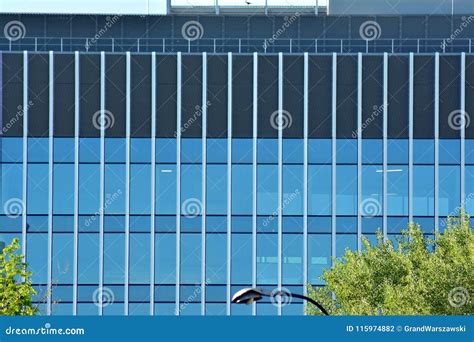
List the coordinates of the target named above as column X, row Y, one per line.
column 247, row 296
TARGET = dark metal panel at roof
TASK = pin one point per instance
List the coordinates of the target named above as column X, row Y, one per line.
column 463, row 26
column 12, row 94
column 261, row 27
column 398, row 96
column 267, row 96
column 337, row 27
column 449, row 95
column 160, row 26
column 191, row 87
column 312, row 27
column 320, row 97
column 470, row 96
column 423, row 98
column 242, row 96
column 38, row 93
column 235, row 27
column 346, row 96
column 212, row 26
column 166, row 96
column 293, row 96
column 83, row 26
column 286, row 27
column 115, row 93
column 413, row 27
column 217, row 96
column 372, row 96
column 389, row 26
column 89, row 92
column 64, row 92
column 58, row 26
column 131, row 26
column 141, row 96
column 439, row 27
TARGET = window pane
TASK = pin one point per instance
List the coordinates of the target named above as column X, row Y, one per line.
column 89, row 150
column 346, row 190
column 216, row 184
column 346, row 151
column 38, row 150
column 191, row 150
column 267, row 258
column 140, row 258
column 242, row 189
column 216, row 150
column 165, row 259
column 114, row 258
column 190, row 258
column 344, row 242
column 191, row 190
column 242, row 150
column 114, row 189
column 88, row 259
column 165, row 150
column 89, row 188
column 449, row 190
column 372, row 194
column 319, row 151
column 165, row 189
column 115, row 150
column 397, row 151
column 267, row 151
column 38, row 188
column 12, row 150
column 372, row 151
column 11, row 190
column 449, row 151
column 293, row 151
column 423, row 151
column 36, row 255
column 63, row 190
column 140, row 150
column 63, row 150
column 63, row 258
column 292, row 259
column 319, row 190
column 267, row 189
column 469, row 190
column 292, row 190
column 241, row 259
column 397, row 190
column 423, row 190
column 216, row 258
column 140, row 192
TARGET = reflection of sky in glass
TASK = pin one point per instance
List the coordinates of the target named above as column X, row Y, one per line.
column 284, row 3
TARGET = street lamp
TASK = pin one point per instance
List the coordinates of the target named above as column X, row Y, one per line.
column 250, row 295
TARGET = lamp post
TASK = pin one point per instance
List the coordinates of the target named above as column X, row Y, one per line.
column 250, row 295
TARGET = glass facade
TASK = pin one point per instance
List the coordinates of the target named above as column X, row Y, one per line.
column 224, row 172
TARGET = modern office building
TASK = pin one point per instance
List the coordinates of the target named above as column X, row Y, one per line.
column 149, row 170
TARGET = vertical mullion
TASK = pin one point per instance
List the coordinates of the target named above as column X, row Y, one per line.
column 333, row 161
column 127, row 182
column 254, row 176
column 305, row 176
column 280, row 174
column 153, row 182
column 25, row 150
column 76, row 179
column 50, row 181
column 385, row 149
column 463, row 128
column 102, row 173
column 229, row 179
column 410, row 137
column 359, row 149
column 178, row 179
column 436, row 141
column 204, row 184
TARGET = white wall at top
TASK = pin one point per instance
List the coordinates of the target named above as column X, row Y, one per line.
column 139, row 7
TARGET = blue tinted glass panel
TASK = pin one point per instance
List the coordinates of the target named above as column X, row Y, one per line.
column 114, row 189
column 216, row 184
column 38, row 150
column 292, row 190
column 449, row 190
column 397, row 190
column 11, row 149
column 346, row 224
column 449, row 151
column 89, row 188
column 241, row 259
column 215, row 309
column 190, row 258
column 469, row 151
column 165, row 259
column 11, row 190
column 319, row 257
column 63, row 150
column 292, row 259
column 346, row 190
column 423, row 190
column 36, row 255
column 293, row 151
column 397, row 151
column 469, row 200
column 191, row 150
column 140, row 258
column 423, row 151
column 242, row 150
column 115, row 150
column 346, row 151
column 191, row 190
column 267, row 258
column 319, row 151
column 38, row 188
column 140, row 150
column 344, row 242
column 63, row 258
column 242, row 189
column 267, row 189
column 114, row 258
column 216, row 253
column 267, row 151
column 216, row 150
column 372, row 151
column 63, row 189
column 319, row 190
column 89, row 150
column 165, row 150
column 372, row 194
column 140, row 192
column 88, row 259
column 165, row 189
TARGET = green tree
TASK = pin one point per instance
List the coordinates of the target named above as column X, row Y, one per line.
column 16, row 291
column 414, row 276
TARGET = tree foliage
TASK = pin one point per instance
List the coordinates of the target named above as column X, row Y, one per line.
column 416, row 275
column 16, row 290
